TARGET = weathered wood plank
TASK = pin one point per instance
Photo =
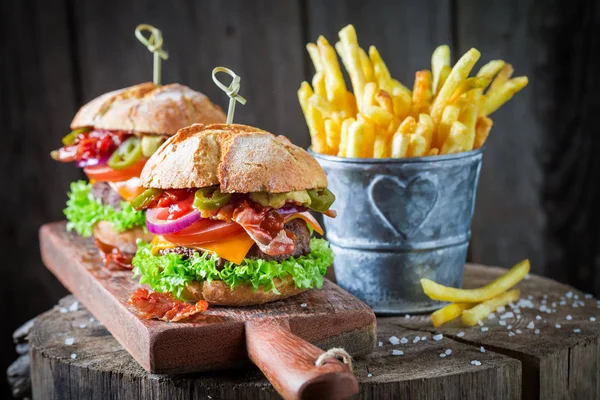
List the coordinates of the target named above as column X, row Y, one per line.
column 261, row 41
column 36, row 104
column 509, row 220
column 404, row 32
column 558, row 362
column 103, row 369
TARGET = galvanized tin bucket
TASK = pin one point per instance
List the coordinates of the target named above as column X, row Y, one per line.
column 400, row 220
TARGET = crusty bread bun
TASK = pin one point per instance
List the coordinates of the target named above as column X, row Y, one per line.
column 147, row 108
column 239, row 158
column 124, row 241
column 218, row 293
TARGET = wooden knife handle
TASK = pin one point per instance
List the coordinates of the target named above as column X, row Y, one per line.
column 288, row 362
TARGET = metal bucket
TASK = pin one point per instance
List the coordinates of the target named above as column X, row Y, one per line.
column 400, row 220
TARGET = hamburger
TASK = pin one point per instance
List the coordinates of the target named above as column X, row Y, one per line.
column 113, row 136
column 229, row 205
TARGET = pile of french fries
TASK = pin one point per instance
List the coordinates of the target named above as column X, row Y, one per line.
column 446, row 112
column 475, row 304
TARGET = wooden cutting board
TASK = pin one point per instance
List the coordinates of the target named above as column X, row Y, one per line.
column 279, row 337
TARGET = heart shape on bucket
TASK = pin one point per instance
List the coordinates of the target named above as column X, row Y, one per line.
column 403, row 207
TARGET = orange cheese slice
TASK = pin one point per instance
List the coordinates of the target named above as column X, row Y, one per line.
column 128, row 189
column 232, row 249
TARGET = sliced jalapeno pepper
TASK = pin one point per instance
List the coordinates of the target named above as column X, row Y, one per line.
column 142, row 200
column 320, row 199
column 210, row 199
column 150, row 144
column 69, row 140
column 126, row 154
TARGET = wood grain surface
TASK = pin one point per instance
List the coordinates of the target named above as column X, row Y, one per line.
column 327, row 316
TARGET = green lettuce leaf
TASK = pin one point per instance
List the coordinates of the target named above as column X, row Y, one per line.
column 83, row 211
column 171, row 273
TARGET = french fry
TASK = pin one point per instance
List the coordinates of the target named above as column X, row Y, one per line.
column 313, row 52
column 369, row 94
column 304, row 93
column 344, row 136
column 468, row 116
column 495, row 98
column 402, row 103
column 482, row 131
column 491, row 69
column 326, row 108
column 459, row 73
column 455, row 141
column 351, row 53
column 351, row 103
column 318, row 84
column 398, row 87
column 400, row 144
column 450, row 115
column 417, row 146
column 434, row 152
column 334, row 80
column 408, row 126
column 439, row 59
column 502, row 77
column 425, row 128
column 357, row 140
column 385, row 101
column 439, row 292
column 313, row 119
column 370, row 130
column 443, row 76
column 479, row 82
column 448, row 313
column 471, row 316
column 382, row 74
column 378, row 115
column 381, row 148
column 332, row 134
column 366, row 65
column 422, row 94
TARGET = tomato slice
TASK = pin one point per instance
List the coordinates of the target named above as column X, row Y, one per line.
column 204, row 231
column 104, row 173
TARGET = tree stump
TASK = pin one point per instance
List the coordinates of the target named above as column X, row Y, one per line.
column 554, row 363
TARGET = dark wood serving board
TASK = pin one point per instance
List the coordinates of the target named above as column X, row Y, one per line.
column 224, row 337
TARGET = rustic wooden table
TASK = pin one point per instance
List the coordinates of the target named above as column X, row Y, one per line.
column 547, row 348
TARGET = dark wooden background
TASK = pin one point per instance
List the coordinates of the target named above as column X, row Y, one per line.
column 538, row 193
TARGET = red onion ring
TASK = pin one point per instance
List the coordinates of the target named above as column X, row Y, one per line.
column 164, row 227
column 91, row 162
column 290, row 209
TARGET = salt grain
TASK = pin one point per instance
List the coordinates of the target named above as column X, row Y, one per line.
column 569, row 295
column 527, row 277
column 423, row 338
column 73, row 356
column 303, row 305
column 82, row 326
column 576, row 330
column 537, row 317
column 509, row 327
column 481, row 349
column 502, row 323
column 491, row 316
column 511, row 334
column 588, row 296
column 592, row 319
column 448, row 352
column 437, row 337
column 530, row 325
column 484, row 329
column 380, row 344
column 500, row 309
column 397, row 353
column 404, row 340
column 74, row 306
column 394, row 340
column 442, row 355
column 407, row 316
column 479, row 323
column 557, row 326
column 69, row 341
column 506, row 315
column 92, row 319
column 369, row 375
column 568, row 318
column 537, row 331
column 519, row 331
column 63, row 310
column 416, row 339
column 475, row 362
column 460, row 334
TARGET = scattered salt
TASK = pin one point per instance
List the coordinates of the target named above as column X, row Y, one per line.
column 437, row 337
column 500, row 309
column 448, row 352
column 481, row 349
column 492, row 316
column 394, row 340
column 576, row 330
column 74, row 306
column 519, row 331
column 530, row 297
column 568, row 318
column 407, row 316
column 530, row 325
column 511, row 334
column 538, row 318
column 569, row 295
column 479, row 323
column 73, row 356
column 506, row 315
column 380, row 344
column 475, row 362
column 509, row 327
column 592, row 319
column 588, row 296
column 397, row 353
column 527, row 277
column 369, row 375
column 442, row 355
column 82, row 326
column 92, row 319
column 557, row 326
column 537, row 331
column 69, row 341
column 460, row 334
column 63, row 310
column 423, row 338
column 404, row 340
column 416, row 339
column 518, row 317
column 484, row 329
column 303, row 305
column 502, row 323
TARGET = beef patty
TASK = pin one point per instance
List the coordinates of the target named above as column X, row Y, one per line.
column 104, row 193
column 301, row 246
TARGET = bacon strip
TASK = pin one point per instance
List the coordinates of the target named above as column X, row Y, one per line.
column 265, row 227
column 164, row 306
